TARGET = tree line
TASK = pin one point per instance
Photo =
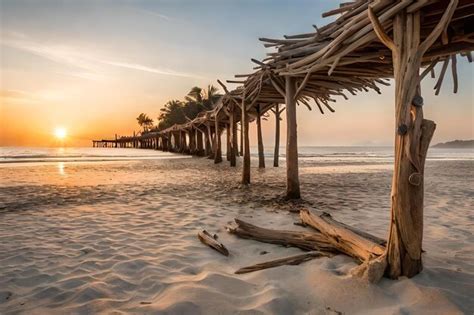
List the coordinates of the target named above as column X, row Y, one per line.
column 179, row 112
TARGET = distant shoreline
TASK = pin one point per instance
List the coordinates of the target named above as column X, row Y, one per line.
column 456, row 144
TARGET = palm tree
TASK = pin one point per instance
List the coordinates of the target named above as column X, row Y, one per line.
column 196, row 101
column 145, row 122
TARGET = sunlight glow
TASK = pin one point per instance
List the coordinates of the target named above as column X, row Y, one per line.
column 60, row 133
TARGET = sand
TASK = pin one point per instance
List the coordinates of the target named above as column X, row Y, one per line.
column 120, row 237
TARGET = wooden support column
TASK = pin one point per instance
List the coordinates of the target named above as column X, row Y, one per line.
column 192, row 141
column 292, row 175
column 207, row 141
column 210, row 141
column 228, row 143
column 233, row 135
column 246, row 142
column 199, row 143
column 241, row 153
column 115, row 140
column 276, row 153
column 261, row 153
column 412, row 139
column 217, row 142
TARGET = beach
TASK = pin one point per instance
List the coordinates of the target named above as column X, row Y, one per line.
column 118, row 236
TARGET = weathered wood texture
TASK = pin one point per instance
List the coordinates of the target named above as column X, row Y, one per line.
column 342, row 238
column 211, row 240
column 261, row 153
column 302, row 240
column 292, row 173
column 291, row 260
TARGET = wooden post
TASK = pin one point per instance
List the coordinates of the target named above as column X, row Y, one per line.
column 228, row 143
column 412, row 139
column 241, row 139
column 217, row 142
column 233, row 134
column 276, row 153
column 115, row 140
column 211, row 141
column 261, row 153
column 199, row 143
column 207, row 138
column 246, row 141
column 192, row 141
column 292, row 176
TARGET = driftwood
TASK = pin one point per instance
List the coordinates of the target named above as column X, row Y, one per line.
column 343, row 239
column 303, row 240
column 211, row 241
column 292, row 260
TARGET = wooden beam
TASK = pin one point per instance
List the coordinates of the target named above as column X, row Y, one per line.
column 261, row 153
column 292, row 174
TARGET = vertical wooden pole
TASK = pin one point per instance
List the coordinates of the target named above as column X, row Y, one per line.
column 210, row 141
column 241, row 138
column 292, row 175
column 276, row 153
column 199, row 143
column 233, row 134
column 261, row 153
column 228, row 143
column 217, row 142
column 246, row 144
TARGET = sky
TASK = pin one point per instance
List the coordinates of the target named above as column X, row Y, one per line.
column 92, row 66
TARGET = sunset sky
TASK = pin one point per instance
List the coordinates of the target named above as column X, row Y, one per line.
column 91, row 67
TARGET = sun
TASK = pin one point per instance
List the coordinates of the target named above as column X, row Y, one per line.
column 60, row 133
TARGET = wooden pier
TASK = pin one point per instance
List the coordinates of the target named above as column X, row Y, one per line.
column 368, row 44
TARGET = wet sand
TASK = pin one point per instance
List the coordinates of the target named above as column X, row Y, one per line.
column 120, row 237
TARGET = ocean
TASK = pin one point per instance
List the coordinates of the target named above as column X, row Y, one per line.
column 306, row 153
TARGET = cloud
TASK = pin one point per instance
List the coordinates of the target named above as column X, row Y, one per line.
column 17, row 97
column 157, row 14
column 91, row 63
column 149, row 69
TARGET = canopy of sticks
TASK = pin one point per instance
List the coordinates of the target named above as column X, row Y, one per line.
column 346, row 56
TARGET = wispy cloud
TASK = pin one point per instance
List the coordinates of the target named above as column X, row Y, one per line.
column 148, row 69
column 90, row 63
column 17, row 97
column 156, row 14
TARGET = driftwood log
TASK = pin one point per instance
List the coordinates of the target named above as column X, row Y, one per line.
column 291, row 260
column 342, row 238
column 304, row 240
column 211, row 241
column 327, row 237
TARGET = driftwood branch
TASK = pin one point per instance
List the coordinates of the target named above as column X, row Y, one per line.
column 303, row 240
column 342, row 238
column 292, row 260
column 211, row 241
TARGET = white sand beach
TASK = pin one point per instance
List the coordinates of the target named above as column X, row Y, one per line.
column 120, row 237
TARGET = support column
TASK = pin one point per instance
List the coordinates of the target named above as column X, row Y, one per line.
column 228, row 144
column 211, row 141
column 246, row 144
column 276, row 153
column 233, row 135
column 217, row 142
column 207, row 137
column 241, row 153
column 261, row 153
column 199, row 143
column 292, row 175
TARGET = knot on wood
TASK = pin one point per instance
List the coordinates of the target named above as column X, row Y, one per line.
column 402, row 129
column 417, row 101
column 415, row 179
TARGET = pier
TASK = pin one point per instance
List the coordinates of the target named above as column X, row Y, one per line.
column 366, row 46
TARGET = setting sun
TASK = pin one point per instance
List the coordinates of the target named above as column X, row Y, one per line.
column 60, row 133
